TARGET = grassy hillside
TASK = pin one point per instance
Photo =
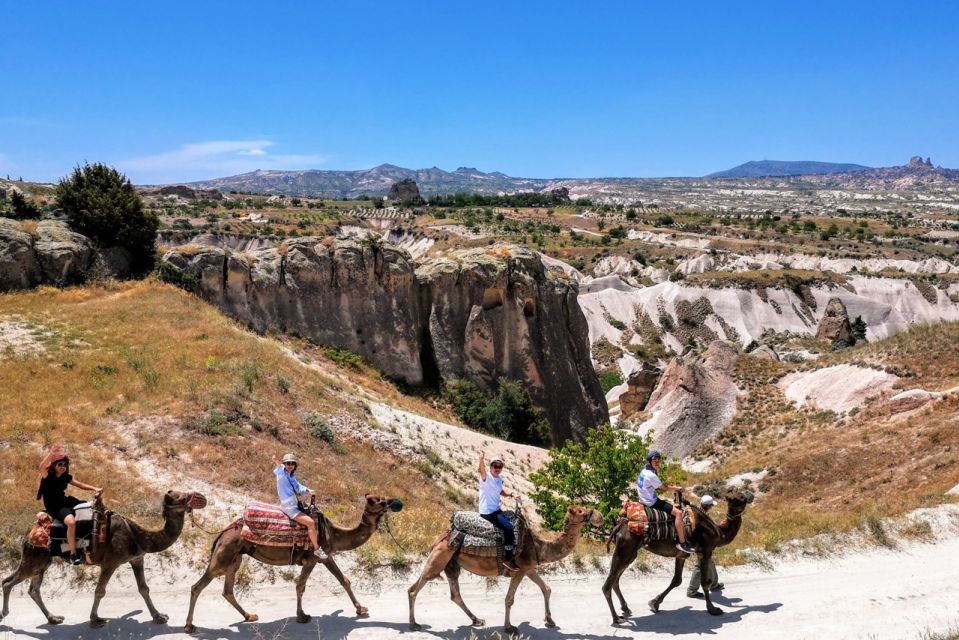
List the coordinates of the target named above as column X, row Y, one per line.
column 138, row 373
column 819, row 472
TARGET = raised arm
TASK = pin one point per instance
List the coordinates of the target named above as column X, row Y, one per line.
column 482, row 465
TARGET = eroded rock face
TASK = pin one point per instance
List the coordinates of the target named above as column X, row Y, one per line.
column 834, row 325
column 52, row 254
column 479, row 314
column 693, row 402
column 404, row 190
column 639, row 388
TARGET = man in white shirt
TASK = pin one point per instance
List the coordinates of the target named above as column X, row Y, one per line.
column 707, row 502
column 490, row 490
column 647, row 483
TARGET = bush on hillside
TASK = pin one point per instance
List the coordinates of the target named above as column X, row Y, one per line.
column 508, row 413
column 103, row 205
column 23, row 208
column 597, row 474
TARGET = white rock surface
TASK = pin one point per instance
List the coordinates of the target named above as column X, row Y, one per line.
column 839, row 388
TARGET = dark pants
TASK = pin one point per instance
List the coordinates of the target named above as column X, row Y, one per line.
column 499, row 520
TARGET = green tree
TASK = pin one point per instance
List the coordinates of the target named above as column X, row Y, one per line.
column 508, row 413
column 858, row 330
column 102, row 204
column 22, row 208
column 596, row 473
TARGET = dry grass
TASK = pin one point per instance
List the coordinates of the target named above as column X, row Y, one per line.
column 827, row 474
column 227, row 402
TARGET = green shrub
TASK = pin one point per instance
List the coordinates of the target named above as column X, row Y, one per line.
column 596, row 474
column 102, row 204
column 320, row 428
column 609, row 379
column 507, row 413
column 22, row 208
column 344, row 357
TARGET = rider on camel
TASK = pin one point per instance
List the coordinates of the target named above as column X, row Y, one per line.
column 648, row 483
column 55, row 476
column 289, row 489
column 490, row 490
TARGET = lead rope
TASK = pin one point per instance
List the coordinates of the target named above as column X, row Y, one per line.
column 385, row 522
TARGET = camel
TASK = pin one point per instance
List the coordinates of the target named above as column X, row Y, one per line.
column 126, row 542
column 534, row 552
column 230, row 547
column 705, row 536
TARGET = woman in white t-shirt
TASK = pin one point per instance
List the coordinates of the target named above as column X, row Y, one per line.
column 490, row 490
column 647, row 483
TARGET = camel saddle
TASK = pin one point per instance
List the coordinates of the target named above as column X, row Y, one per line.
column 652, row 524
column 266, row 524
column 57, row 535
column 473, row 535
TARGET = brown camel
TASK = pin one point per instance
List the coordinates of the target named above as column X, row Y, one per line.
column 705, row 537
column 533, row 553
column 126, row 542
column 230, row 547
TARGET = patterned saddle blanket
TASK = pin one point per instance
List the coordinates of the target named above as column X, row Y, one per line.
column 476, row 536
column 652, row 524
column 266, row 524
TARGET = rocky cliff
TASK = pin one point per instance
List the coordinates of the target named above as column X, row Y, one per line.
column 479, row 314
column 48, row 253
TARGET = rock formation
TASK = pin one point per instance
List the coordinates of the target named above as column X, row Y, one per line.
column 404, row 190
column 916, row 162
column 834, row 325
column 479, row 314
column 560, row 193
column 639, row 388
column 764, row 352
column 693, row 402
column 53, row 254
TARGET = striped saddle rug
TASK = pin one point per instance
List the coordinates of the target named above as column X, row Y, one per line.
column 652, row 524
column 266, row 524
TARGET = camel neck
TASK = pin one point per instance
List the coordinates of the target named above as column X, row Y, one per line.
column 349, row 539
column 156, row 541
column 730, row 526
column 551, row 551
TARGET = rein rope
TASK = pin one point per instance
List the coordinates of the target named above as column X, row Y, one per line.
column 385, row 523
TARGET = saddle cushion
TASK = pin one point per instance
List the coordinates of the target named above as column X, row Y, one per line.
column 39, row 534
column 652, row 524
column 266, row 524
column 479, row 532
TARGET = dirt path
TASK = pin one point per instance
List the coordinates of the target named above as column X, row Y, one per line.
column 875, row 594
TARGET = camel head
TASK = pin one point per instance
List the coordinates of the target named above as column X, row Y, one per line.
column 185, row 500
column 738, row 500
column 377, row 505
column 576, row 515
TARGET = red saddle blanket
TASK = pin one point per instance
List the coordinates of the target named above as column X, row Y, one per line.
column 649, row 523
column 266, row 524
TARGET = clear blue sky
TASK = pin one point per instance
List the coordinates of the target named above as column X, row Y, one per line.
column 176, row 91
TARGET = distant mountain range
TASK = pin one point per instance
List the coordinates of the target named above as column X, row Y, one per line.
column 434, row 181
column 779, row 168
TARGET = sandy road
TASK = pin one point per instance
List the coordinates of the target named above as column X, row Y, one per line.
column 875, row 594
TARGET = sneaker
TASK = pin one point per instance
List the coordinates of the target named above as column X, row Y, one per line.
column 510, row 565
column 717, row 587
column 684, row 547
column 321, row 555
column 698, row 594
column 76, row 558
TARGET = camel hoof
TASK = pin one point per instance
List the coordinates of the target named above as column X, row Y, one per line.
column 53, row 619
column 362, row 612
column 415, row 627
column 715, row 611
column 479, row 622
column 303, row 617
column 97, row 623
column 511, row 630
column 251, row 617
column 550, row 624
column 627, row 612
column 188, row 628
column 619, row 620
column 160, row 618
column 654, row 606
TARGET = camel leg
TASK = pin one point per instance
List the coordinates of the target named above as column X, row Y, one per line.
column 9, row 583
column 704, row 558
column 105, row 574
column 675, row 582
column 195, row 591
column 510, row 598
column 137, row 565
column 302, row 616
column 623, row 556
column 536, row 578
column 32, row 566
column 452, row 571
column 228, row 582
column 361, row 611
column 440, row 556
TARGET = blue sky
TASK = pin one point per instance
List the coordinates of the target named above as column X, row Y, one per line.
column 180, row 91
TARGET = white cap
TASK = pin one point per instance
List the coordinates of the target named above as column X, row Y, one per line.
column 707, row 501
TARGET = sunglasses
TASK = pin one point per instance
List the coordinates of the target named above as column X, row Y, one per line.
column 62, row 464
column 290, row 464
column 496, row 466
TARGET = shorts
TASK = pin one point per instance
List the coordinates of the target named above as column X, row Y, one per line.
column 292, row 513
column 662, row 505
column 63, row 512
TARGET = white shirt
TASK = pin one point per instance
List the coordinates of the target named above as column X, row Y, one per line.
column 489, row 492
column 647, row 483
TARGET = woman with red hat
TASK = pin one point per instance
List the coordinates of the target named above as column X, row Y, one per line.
column 54, row 478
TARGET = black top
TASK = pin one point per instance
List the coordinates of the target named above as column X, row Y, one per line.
column 53, row 490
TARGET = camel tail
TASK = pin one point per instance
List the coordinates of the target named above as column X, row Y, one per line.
column 613, row 534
